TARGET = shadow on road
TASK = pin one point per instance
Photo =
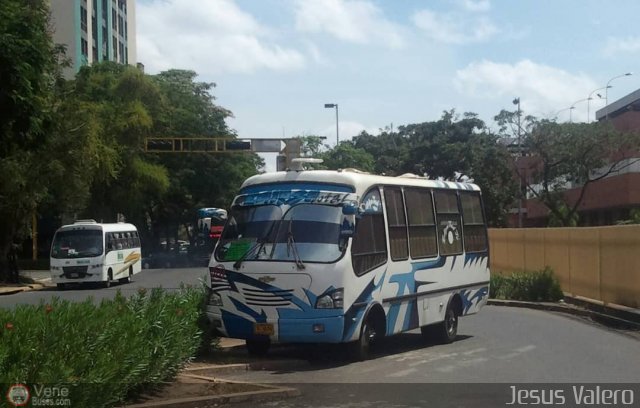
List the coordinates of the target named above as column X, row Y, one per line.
column 291, row 358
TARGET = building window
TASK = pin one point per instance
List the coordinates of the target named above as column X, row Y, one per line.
column 84, row 47
column 83, row 18
column 120, row 25
column 397, row 223
column 369, row 246
column 114, row 19
column 95, row 54
column 423, row 241
column 475, row 231
column 449, row 223
column 122, row 53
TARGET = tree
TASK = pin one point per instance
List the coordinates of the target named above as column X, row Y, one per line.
column 29, row 70
column 443, row 148
column 574, row 156
column 195, row 180
column 346, row 155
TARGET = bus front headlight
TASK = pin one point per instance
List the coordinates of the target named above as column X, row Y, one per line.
column 331, row 300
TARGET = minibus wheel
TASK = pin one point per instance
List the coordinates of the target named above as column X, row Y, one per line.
column 258, row 348
column 128, row 278
column 107, row 284
column 447, row 330
column 362, row 346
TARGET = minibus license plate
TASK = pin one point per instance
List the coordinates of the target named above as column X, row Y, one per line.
column 265, row 329
column 73, row 275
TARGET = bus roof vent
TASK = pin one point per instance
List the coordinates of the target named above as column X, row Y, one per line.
column 88, row 221
column 411, row 175
column 353, row 170
column 298, row 162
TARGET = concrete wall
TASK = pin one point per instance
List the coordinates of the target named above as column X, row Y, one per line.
column 600, row 263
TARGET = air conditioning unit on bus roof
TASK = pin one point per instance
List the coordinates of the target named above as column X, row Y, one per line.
column 88, row 221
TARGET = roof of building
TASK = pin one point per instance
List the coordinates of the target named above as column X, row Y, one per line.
column 621, row 105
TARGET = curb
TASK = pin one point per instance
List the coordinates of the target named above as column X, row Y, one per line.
column 18, row 289
column 568, row 309
column 268, row 392
column 260, row 365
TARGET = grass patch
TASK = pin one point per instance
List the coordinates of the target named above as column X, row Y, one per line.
column 102, row 353
column 535, row 286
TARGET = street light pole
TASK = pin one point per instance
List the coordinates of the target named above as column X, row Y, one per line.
column 573, row 106
column 590, row 98
column 516, row 101
column 606, row 91
column 335, row 105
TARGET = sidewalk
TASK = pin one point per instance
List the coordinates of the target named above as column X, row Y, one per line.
column 41, row 280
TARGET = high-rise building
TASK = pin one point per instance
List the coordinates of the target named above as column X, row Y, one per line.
column 95, row 31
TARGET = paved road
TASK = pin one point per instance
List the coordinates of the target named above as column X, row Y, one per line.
column 148, row 278
column 500, row 345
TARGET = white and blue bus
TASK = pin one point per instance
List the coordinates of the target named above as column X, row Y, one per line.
column 90, row 252
column 344, row 256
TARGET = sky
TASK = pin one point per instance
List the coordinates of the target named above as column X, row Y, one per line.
column 390, row 63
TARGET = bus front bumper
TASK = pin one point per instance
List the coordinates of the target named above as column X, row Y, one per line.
column 289, row 330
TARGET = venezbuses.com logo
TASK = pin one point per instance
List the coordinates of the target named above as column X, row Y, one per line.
column 19, row 395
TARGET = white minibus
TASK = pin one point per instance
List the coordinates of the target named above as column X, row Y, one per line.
column 87, row 251
column 317, row 256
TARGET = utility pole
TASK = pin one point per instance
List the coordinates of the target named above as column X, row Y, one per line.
column 518, row 158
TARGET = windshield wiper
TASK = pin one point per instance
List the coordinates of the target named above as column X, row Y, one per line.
column 258, row 245
column 293, row 248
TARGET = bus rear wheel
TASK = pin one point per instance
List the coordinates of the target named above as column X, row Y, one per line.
column 444, row 332
column 128, row 278
column 258, row 348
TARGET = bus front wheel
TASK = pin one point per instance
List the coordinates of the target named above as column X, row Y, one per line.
column 258, row 348
column 361, row 349
column 107, row 283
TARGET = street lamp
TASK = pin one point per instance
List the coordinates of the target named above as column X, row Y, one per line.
column 606, row 91
column 334, row 105
column 555, row 116
column 573, row 106
column 590, row 98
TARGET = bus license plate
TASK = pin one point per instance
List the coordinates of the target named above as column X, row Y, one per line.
column 265, row 329
column 73, row 275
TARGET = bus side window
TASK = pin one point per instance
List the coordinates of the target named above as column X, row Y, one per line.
column 130, row 240
column 423, row 241
column 110, row 242
column 118, row 240
column 136, row 239
column 449, row 222
column 369, row 247
column 396, row 223
column 475, row 230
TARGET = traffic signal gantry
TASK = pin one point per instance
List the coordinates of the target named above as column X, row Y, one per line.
column 216, row 145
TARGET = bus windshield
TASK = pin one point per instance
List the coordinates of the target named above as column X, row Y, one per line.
column 306, row 232
column 77, row 244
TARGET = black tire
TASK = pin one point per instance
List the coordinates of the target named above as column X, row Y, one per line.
column 361, row 349
column 446, row 331
column 258, row 348
column 107, row 283
column 61, row 286
column 128, row 278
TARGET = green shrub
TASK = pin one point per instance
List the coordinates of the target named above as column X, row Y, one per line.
column 536, row 286
column 103, row 352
